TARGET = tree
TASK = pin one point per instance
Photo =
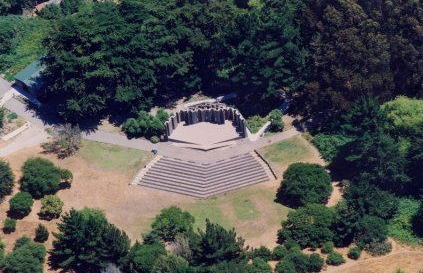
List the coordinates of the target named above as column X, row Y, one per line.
column 7, row 179
column 276, row 122
column 20, row 204
column 66, row 175
column 143, row 257
column 357, row 48
column 304, row 183
column 405, row 116
column 371, row 229
column 309, row 226
column 216, row 244
column 27, row 257
column 65, row 140
column 51, row 206
column 258, row 266
column 41, row 234
column 87, row 241
column 172, row 221
column 169, row 263
column 40, row 177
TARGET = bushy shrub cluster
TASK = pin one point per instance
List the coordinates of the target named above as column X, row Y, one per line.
column 146, row 125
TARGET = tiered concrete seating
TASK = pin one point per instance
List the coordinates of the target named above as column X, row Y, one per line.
column 205, row 180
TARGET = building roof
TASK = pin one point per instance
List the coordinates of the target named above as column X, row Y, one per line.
column 30, row 75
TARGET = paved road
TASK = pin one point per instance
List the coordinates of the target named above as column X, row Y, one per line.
column 36, row 135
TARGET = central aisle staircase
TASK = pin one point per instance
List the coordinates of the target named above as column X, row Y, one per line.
column 204, row 180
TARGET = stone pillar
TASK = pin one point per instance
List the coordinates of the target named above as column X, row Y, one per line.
column 221, row 116
column 174, row 122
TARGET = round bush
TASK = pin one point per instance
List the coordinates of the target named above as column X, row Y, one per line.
column 40, row 177
column 285, row 267
column 20, row 204
column 379, row 248
column 7, row 179
column 335, row 258
column 155, row 139
column 327, row 247
column 9, row 225
column 51, row 206
column 279, row 252
column 354, row 253
column 41, row 234
column 66, row 175
column 315, row 263
column 303, row 184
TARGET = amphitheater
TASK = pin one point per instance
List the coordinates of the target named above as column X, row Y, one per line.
column 208, row 135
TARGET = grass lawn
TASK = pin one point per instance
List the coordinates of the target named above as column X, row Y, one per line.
column 112, row 157
column 251, row 211
column 283, row 153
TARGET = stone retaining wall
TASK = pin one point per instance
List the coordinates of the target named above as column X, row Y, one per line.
column 216, row 113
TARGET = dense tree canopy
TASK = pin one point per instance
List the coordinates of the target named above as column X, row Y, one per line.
column 359, row 48
column 303, row 184
column 87, row 242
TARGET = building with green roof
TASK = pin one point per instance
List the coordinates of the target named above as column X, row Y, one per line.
column 30, row 79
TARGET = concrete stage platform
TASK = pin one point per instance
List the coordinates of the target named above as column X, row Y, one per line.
column 205, row 135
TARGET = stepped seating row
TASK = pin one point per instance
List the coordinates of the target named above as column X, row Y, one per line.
column 204, row 180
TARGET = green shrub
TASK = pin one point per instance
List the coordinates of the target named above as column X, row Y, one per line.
column 51, row 206
column 27, row 257
column 327, row 247
column 40, row 177
column 304, row 183
column 7, row 179
column 20, row 204
column 285, row 267
column 309, row 226
column 335, row 258
column 146, row 125
column 354, row 253
column 66, row 175
column 315, row 263
column 328, row 145
column 41, row 234
column 12, row 116
column 276, row 122
column 263, row 253
column 259, row 265
column 154, row 139
column 279, row 252
column 254, row 123
column 9, row 225
column 379, row 248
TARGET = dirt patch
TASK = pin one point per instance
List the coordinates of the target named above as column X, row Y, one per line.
column 336, row 195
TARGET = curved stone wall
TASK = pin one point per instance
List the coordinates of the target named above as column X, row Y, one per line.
column 216, row 113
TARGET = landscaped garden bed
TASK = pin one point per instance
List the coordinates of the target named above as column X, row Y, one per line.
column 10, row 122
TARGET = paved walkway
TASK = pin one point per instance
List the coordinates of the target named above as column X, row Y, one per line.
column 36, row 135
column 169, row 150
